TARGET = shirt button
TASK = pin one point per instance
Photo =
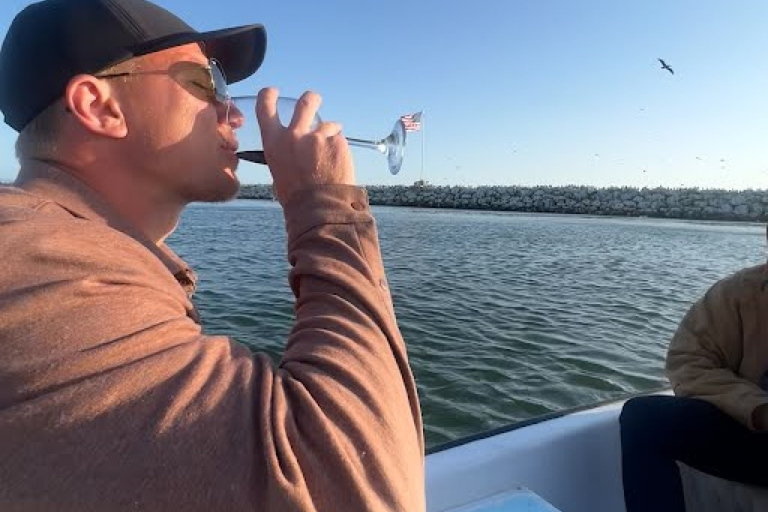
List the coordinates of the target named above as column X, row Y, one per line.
column 358, row 206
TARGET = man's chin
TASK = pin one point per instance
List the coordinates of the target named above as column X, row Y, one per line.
column 221, row 191
column 226, row 194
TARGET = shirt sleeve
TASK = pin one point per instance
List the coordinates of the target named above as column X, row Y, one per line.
column 344, row 370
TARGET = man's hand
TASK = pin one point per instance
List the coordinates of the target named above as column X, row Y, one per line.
column 301, row 157
column 760, row 417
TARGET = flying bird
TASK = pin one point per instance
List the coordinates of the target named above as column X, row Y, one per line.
column 664, row 65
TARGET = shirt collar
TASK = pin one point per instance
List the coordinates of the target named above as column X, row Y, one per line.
column 49, row 182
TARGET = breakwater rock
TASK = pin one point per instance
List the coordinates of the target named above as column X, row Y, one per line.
column 683, row 203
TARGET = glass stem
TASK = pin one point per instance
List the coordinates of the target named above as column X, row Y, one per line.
column 362, row 143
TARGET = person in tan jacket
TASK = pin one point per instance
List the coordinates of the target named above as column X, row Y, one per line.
column 717, row 422
column 112, row 398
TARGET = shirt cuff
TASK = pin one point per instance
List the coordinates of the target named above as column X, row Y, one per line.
column 325, row 204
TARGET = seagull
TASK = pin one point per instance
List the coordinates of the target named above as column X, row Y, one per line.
column 664, row 65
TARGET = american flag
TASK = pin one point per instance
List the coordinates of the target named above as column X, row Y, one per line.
column 412, row 122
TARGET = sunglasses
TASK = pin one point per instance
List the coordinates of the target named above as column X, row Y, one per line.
column 206, row 81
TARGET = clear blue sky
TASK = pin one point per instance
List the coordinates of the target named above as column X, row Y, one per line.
column 536, row 92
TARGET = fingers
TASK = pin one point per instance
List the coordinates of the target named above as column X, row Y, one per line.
column 305, row 112
column 266, row 110
column 303, row 118
column 302, row 155
column 328, row 129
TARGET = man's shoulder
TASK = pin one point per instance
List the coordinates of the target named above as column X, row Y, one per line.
column 744, row 283
column 753, row 276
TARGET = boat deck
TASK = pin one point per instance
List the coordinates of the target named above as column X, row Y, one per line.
column 517, row 500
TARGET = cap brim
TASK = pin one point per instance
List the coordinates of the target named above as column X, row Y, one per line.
column 239, row 50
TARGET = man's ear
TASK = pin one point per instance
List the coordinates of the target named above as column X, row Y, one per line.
column 93, row 103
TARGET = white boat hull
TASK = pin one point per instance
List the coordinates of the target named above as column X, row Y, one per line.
column 572, row 461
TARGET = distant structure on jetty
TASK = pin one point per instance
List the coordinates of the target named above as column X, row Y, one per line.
column 683, row 203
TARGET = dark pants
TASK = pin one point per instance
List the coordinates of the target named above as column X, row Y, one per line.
column 656, row 431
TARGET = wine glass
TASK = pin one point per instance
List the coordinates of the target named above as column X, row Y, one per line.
column 392, row 146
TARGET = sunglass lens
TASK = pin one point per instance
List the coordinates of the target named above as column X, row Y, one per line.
column 219, row 82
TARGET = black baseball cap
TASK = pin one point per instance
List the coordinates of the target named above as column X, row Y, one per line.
column 50, row 42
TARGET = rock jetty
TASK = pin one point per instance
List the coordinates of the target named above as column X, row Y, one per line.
column 682, row 203
column 678, row 203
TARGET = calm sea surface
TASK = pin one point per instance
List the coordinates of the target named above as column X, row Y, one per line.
column 506, row 316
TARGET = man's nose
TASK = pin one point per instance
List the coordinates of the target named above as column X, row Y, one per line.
column 230, row 114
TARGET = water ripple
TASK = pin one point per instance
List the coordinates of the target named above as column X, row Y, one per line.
column 506, row 316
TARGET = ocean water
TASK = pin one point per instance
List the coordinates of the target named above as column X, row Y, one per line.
column 506, row 316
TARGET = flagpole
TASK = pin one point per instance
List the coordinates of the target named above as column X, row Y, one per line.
column 423, row 136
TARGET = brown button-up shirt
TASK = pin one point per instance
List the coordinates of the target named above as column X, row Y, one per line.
column 112, row 398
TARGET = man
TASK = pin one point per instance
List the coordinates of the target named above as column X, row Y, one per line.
column 718, row 422
column 111, row 397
